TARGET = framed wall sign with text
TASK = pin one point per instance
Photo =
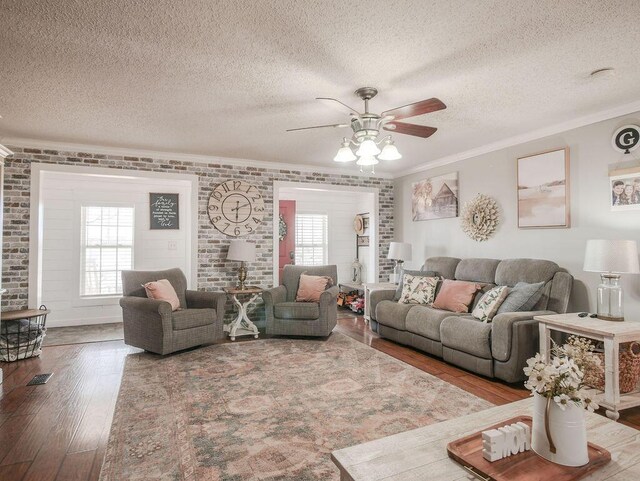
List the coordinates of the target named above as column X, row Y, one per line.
column 164, row 211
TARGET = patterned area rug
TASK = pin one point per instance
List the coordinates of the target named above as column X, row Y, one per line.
column 266, row 410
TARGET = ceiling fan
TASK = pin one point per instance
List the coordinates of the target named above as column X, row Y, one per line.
column 366, row 128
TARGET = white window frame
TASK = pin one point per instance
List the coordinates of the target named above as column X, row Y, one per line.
column 83, row 247
column 325, row 245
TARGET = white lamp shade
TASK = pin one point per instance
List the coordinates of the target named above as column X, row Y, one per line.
column 241, row 250
column 615, row 256
column 399, row 251
column 367, row 148
column 389, row 152
column 367, row 160
column 345, row 154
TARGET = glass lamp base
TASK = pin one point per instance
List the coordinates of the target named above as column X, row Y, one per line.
column 610, row 298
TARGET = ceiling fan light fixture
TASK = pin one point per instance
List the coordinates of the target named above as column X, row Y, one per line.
column 367, row 160
column 368, row 148
column 390, row 152
column 345, row 154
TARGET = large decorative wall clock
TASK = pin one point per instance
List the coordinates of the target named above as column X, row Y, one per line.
column 236, row 208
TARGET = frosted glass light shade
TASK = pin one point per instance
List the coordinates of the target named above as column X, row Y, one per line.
column 613, row 256
column 345, row 154
column 399, row 251
column 367, row 160
column 389, row 152
column 241, row 250
column 367, row 148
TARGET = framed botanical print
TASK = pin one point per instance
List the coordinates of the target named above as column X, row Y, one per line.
column 543, row 190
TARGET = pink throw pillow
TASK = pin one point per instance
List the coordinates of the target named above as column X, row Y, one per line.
column 162, row 290
column 311, row 287
column 456, row 296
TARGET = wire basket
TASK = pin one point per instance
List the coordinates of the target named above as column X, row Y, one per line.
column 21, row 334
column 629, row 364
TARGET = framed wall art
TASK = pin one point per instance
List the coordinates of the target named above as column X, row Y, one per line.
column 543, row 190
column 435, row 198
column 625, row 189
column 164, row 211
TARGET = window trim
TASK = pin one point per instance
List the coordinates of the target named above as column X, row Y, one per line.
column 325, row 255
column 94, row 299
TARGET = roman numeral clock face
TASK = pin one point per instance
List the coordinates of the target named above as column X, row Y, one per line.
column 236, row 208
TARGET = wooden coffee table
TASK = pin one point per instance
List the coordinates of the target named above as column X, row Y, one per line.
column 422, row 453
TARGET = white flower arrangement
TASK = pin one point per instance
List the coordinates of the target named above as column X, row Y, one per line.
column 562, row 378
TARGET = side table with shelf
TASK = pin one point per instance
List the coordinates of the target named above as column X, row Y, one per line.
column 611, row 334
column 242, row 325
column 369, row 287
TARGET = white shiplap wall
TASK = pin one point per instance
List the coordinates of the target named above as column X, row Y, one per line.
column 61, row 196
column 341, row 208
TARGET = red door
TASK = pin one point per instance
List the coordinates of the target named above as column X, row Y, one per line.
column 287, row 245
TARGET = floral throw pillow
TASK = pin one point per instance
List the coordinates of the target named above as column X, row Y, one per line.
column 489, row 303
column 418, row 289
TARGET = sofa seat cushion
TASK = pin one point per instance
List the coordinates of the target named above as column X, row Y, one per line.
column 425, row 321
column 190, row 318
column 297, row 310
column 467, row 334
column 392, row 314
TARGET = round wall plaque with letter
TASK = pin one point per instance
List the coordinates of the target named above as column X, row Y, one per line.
column 626, row 139
column 236, row 208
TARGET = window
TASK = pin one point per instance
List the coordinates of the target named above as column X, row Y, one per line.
column 107, row 249
column 312, row 243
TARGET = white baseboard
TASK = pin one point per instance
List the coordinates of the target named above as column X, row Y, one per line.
column 82, row 321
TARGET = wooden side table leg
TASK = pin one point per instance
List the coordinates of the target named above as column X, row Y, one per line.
column 612, row 377
column 237, row 321
column 545, row 341
column 247, row 322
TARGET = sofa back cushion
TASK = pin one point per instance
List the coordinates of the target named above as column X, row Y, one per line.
column 132, row 282
column 531, row 271
column 456, row 296
column 477, row 270
column 291, row 277
column 444, row 266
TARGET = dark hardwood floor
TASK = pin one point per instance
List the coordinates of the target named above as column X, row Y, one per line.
column 59, row 431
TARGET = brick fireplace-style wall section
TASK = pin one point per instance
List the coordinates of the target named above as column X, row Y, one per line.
column 214, row 272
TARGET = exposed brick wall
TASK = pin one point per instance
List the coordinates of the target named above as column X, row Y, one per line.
column 214, row 272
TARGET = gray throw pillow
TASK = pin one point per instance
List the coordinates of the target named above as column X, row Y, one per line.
column 522, row 297
column 411, row 273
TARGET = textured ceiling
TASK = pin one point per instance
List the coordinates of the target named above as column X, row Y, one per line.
column 227, row 78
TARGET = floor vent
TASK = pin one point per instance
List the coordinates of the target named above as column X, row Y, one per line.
column 40, row 379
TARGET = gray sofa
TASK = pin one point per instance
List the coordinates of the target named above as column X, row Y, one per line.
column 286, row 317
column 151, row 325
column 496, row 349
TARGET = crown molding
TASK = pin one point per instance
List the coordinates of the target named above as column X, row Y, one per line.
column 4, row 152
column 208, row 159
column 555, row 129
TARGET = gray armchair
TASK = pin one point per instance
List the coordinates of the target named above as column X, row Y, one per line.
column 286, row 317
column 151, row 325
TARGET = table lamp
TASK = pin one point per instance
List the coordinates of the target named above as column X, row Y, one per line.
column 243, row 251
column 399, row 252
column 611, row 258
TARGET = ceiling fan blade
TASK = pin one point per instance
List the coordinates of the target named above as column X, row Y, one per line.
column 340, row 105
column 319, row 127
column 417, row 108
column 410, row 129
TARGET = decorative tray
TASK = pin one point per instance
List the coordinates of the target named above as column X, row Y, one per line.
column 526, row 466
